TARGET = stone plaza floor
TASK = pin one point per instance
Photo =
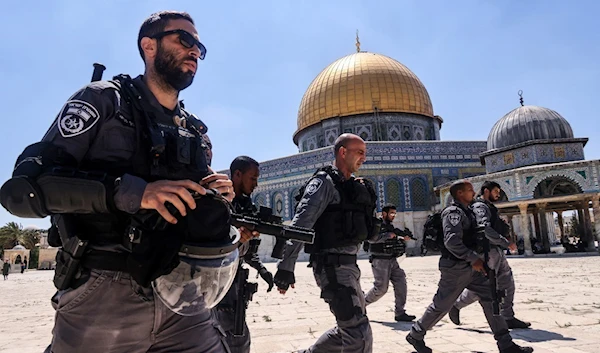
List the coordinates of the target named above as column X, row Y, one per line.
column 560, row 295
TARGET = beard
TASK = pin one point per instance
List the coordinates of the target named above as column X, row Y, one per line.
column 168, row 68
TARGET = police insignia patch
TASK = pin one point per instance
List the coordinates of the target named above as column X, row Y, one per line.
column 77, row 117
column 479, row 211
column 313, row 186
column 454, row 218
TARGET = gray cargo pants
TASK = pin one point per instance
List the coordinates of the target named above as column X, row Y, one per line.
column 386, row 270
column 353, row 331
column 456, row 276
column 505, row 279
column 111, row 313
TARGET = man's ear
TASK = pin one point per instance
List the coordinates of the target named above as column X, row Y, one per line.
column 149, row 46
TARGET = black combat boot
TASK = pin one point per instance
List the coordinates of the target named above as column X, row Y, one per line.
column 419, row 345
column 405, row 317
column 516, row 323
column 516, row 349
column 454, row 315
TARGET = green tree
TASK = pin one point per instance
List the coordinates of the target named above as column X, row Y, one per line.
column 13, row 233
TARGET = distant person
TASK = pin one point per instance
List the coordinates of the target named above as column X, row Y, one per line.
column 5, row 270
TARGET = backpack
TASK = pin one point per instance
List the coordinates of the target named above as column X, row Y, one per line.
column 433, row 235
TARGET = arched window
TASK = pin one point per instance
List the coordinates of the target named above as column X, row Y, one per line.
column 392, row 193
column 278, row 204
column 419, row 194
column 260, row 200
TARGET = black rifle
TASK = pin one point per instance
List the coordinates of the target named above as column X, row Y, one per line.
column 245, row 291
column 404, row 233
column 263, row 221
column 497, row 295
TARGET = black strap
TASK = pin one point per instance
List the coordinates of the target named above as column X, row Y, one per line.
column 376, row 247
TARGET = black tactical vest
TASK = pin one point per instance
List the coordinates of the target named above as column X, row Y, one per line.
column 162, row 152
column 469, row 234
column 351, row 221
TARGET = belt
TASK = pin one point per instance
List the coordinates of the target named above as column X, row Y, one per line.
column 385, row 257
column 105, row 260
column 333, row 259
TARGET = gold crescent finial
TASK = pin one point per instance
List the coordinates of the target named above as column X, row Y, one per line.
column 357, row 42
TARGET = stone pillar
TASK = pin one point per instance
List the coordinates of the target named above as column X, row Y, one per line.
column 596, row 209
column 525, row 229
column 587, row 227
column 513, row 237
column 561, row 227
column 536, row 227
column 543, row 227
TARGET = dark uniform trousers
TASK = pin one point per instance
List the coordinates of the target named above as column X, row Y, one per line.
column 237, row 344
column 87, row 320
column 455, row 277
column 349, row 336
column 386, row 270
column 224, row 314
column 505, row 279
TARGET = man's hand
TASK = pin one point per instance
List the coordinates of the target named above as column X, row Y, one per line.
column 267, row 276
column 284, row 279
column 512, row 247
column 406, row 238
column 221, row 183
column 174, row 191
column 478, row 266
column 247, row 234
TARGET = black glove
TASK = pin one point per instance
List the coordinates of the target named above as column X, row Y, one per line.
column 267, row 276
column 284, row 278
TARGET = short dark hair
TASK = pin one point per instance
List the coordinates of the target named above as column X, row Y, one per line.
column 489, row 185
column 242, row 163
column 457, row 186
column 157, row 22
column 388, row 207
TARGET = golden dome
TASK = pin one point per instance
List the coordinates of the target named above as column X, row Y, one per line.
column 358, row 83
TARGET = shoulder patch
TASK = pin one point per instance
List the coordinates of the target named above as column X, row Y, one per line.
column 314, row 186
column 454, row 218
column 480, row 211
column 77, row 117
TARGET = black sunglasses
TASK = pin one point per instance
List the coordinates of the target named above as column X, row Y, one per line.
column 186, row 39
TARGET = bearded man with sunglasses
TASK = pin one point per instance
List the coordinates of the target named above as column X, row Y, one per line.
column 117, row 150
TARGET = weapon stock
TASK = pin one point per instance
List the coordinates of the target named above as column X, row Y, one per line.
column 98, row 71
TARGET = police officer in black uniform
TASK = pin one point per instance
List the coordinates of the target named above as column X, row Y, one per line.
column 384, row 251
column 461, row 267
column 340, row 207
column 497, row 232
column 244, row 174
column 116, row 171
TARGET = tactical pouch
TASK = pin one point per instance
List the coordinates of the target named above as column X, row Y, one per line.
column 154, row 254
column 340, row 301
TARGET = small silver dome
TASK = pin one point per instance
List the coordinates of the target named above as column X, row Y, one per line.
column 528, row 123
column 19, row 247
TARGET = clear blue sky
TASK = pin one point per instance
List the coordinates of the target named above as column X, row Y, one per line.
column 472, row 56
